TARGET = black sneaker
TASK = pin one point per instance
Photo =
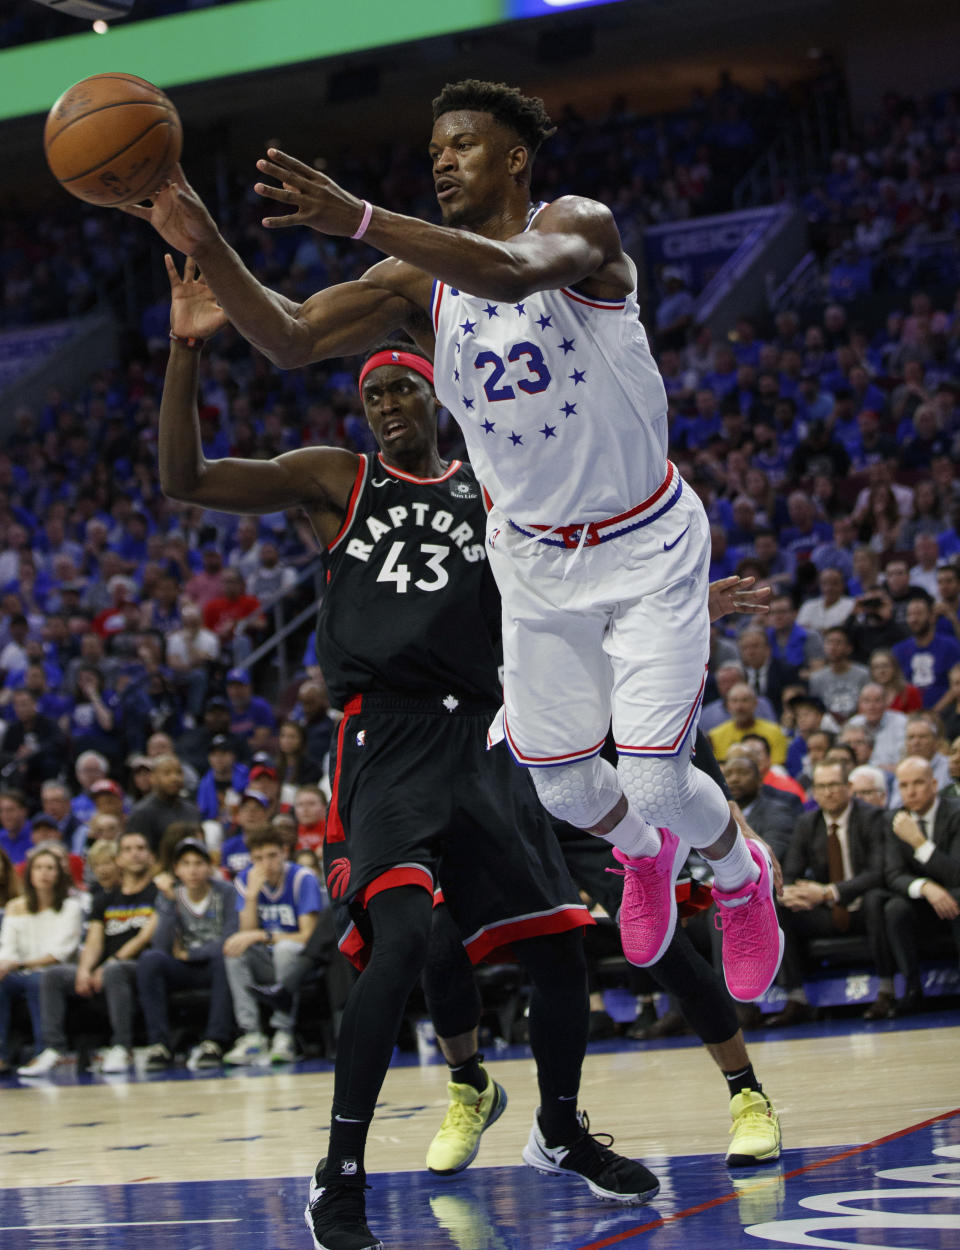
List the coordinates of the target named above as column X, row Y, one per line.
column 608, row 1175
column 336, row 1216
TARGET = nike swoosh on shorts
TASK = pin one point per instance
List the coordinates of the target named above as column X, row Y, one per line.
column 670, row 546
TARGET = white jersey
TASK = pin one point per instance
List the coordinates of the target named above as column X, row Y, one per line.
column 561, row 404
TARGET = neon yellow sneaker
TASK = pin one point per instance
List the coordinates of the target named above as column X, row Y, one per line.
column 755, row 1130
column 468, row 1115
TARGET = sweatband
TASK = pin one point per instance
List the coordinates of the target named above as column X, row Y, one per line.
column 408, row 359
column 364, row 220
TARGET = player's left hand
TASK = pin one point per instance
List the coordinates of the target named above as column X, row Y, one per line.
column 194, row 311
column 734, row 594
column 317, row 200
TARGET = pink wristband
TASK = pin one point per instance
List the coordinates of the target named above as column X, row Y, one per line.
column 364, row 220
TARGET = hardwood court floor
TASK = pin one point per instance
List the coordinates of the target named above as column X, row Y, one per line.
column 833, row 1086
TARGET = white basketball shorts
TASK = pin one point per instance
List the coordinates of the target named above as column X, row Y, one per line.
column 617, row 630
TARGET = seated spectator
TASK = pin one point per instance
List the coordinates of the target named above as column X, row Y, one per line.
column 872, row 626
column 840, row 681
column 55, row 803
column 93, row 718
column 765, row 674
column 805, row 531
column 742, row 705
column 926, row 657
column 269, row 577
column 187, row 953
column 153, row 815
column 885, row 670
column 947, row 606
column 122, row 923
column 831, row 607
column 952, row 790
column 778, row 568
column 251, row 718
column 252, row 817
column 33, row 748
column 91, row 766
column 108, row 800
column 921, row 740
column 950, row 713
column 295, row 767
column 869, row 785
column 44, row 832
column 887, row 726
column 140, row 774
column 923, row 872
column 861, row 741
column 265, row 778
column 208, row 584
column 818, row 746
column 278, row 905
column 773, row 777
column 837, row 553
column 764, row 813
column 40, row 928
column 284, row 824
column 833, row 876
column 312, row 711
column 191, row 649
column 727, row 675
column 222, row 784
column 15, row 829
column 193, row 747
column 795, row 646
column 102, row 856
column 310, row 808
column 924, row 572
column 866, row 572
column 224, row 613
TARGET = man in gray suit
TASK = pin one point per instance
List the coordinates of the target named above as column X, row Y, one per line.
column 922, row 871
column 833, row 876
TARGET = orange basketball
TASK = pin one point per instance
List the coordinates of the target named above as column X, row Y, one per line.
column 112, row 139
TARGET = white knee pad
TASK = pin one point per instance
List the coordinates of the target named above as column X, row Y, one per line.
column 581, row 793
column 669, row 791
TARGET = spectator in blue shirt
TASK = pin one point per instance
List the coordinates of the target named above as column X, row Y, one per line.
column 251, row 717
column 804, row 532
column 926, row 657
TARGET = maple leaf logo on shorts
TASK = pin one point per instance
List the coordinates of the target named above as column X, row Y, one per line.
column 338, row 878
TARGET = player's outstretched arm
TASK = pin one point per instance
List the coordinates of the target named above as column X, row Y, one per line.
column 317, row 478
column 340, row 321
column 574, row 239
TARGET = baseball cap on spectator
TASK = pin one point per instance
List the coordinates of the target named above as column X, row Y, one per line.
column 106, row 786
column 258, row 796
column 139, row 761
column 43, row 821
column 239, row 675
column 806, row 700
column 119, row 580
column 263, row 770
column 191, row 844
column 222, row 742
column 218, row 701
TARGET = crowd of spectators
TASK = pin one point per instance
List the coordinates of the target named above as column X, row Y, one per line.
column 824, row 450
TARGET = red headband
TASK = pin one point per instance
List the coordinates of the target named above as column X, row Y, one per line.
column 407, row 359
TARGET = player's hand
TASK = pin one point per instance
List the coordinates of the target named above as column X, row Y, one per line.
column 316, row 199
column 194, row 311
column 734, row 594
column 941, row 900
column 177, row 214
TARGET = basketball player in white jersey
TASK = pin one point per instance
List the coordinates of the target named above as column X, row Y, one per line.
column 600, row 550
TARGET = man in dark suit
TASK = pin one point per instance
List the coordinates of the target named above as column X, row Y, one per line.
column 772, row 819
column 765, row 674
column 922, row 871
column 833, row 874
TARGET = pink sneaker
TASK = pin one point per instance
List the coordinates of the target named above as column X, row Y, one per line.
column 752, row 938
column 648, row 913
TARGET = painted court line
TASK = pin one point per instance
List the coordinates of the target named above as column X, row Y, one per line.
column 35, row 1228
column 661, row 1222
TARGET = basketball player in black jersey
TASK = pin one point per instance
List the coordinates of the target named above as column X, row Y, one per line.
column 408, row 641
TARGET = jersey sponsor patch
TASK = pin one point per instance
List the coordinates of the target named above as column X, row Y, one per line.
column 463, row 490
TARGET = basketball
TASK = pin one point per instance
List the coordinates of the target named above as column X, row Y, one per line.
column 112, row 139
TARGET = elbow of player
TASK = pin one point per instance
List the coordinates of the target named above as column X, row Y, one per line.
column 178, row 487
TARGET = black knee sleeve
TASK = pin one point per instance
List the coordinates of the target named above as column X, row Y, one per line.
column 700, row 993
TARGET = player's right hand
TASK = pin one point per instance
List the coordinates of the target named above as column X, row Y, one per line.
column 177, row 214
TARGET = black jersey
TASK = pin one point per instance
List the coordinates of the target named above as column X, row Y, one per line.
column 411, row 606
